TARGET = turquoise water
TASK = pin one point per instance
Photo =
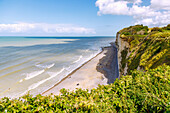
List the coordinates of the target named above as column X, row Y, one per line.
column 34, row 64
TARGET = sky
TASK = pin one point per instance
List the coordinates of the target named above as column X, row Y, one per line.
column 79, row 17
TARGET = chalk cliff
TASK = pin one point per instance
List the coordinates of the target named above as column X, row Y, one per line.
column 142, row 48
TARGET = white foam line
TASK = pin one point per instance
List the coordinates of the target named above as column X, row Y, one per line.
column 32, row 75
column 78, row 59
column 35, row 85
column 52, row 75
column 45, row 66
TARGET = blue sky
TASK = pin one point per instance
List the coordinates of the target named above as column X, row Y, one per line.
column 66, row 17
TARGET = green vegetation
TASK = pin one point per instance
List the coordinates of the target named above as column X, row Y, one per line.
column 147, row 51
column 139, row 92
column 123, row 60
column 161, row 34
column 167, row 27
column 135, row 30
column 156, row 29
column 146, row 90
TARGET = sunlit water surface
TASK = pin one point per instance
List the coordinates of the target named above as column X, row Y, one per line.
column 34, row 64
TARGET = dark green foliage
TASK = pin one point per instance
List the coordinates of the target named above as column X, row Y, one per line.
column 140, row 27
column 156, row 29
column 123, row 59
column 139, row 92
column 134, row 63
column 133, row 30
column 167, row 27
column 126, row 33
column 134, row 43
column 161, row 34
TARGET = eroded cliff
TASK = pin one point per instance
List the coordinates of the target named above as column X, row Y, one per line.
column 142, row 48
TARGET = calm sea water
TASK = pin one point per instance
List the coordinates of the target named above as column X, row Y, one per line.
column 34, row 64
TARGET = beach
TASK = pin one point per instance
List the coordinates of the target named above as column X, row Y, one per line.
column 101, row 69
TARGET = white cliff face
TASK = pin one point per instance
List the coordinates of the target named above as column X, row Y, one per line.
column 121, row 45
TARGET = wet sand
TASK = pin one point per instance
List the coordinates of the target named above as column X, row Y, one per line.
column 102, row 69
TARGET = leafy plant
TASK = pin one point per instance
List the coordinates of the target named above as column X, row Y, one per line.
column 156, row 29
column 139, row 92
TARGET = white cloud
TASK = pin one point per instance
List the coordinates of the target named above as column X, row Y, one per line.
column 38, row 28
column 112, row 7
column 160, row 4
column 156, row 14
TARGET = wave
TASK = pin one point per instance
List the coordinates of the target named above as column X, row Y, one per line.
column 32, row 75
column 78, row 59
column 35, row 85
column 54, row 74
column 45, row 66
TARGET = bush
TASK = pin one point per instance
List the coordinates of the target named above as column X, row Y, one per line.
column 161, row 34
column 156, row 29
column 139, row 92
column 126, row 33
column 132, row 30
column 134, row 43
column 167, row 27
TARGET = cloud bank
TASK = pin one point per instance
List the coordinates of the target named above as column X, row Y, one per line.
column 155, row 14
column 38, row 28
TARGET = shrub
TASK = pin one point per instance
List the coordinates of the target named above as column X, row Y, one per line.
column 168, row 27
column 161, row 34
column 134, row 43
column 126, row 33
column 132, row 30
column 123, row 55
column 156, row 29
column 139, row 92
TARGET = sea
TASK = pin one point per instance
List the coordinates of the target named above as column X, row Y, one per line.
column 34, row 64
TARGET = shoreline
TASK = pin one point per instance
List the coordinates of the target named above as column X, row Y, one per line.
column 72, row 72
column 89, row 75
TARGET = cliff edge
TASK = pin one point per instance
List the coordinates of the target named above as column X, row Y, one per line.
column 142, row 48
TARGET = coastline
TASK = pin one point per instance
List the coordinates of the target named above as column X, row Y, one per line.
column 71, row 73
column 91, row 73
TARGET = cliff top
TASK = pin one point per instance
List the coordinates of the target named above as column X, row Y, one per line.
column 148, row 47
column 140, row 32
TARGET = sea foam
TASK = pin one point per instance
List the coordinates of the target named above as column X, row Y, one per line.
column 78, row 59
column 45, row 66
column 35, row 85
column 32, row 75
